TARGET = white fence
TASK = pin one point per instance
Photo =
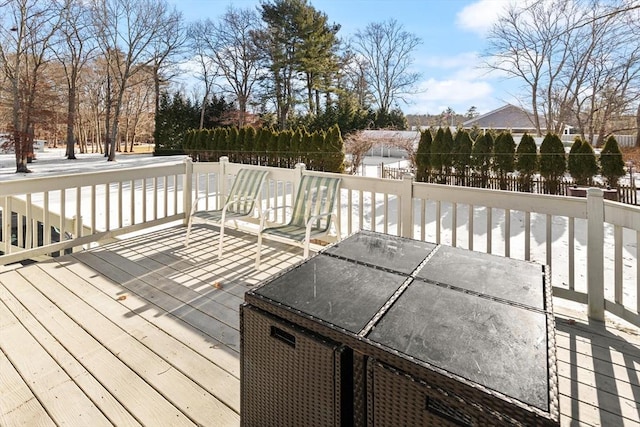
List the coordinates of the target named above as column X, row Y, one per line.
column 589, row 243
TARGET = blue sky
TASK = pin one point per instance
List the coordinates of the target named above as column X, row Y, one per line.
column 452, row 33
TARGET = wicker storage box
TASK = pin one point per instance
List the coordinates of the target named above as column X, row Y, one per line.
column 413, row 333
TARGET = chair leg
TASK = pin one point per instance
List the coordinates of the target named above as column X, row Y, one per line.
column 220, row 240
column 307, row 241
column 258, row 249
column 186, row 239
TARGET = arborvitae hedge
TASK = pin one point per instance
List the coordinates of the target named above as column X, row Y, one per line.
column 319, row 151
column 526, row 160
column 462, row 147
column 611, row 162
column 334, row 160
column 582, row 163
column 573, row 160
column 482, row 156
column 504, row 150
column 423, row 156
column 438, row 154
column 553, row 163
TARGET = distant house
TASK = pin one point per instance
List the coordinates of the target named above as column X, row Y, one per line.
column 391, row 143
column 508, row 117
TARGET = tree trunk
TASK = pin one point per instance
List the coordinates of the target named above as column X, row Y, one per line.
column 107, row 120
column 242, row 110
column 638, row 127
column 202, row 108
column 71, row 119
column 310, row 93
column 116, row 122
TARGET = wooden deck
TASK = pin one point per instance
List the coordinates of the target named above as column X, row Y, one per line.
column 144, row 331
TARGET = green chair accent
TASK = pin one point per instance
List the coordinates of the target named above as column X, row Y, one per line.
column 240, row 203
column 311, row 215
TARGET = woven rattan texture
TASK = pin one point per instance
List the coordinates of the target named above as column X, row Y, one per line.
column 284, row 384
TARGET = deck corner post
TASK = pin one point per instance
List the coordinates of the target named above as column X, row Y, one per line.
column 406, row 206
column 187, row 188
column 595, row 254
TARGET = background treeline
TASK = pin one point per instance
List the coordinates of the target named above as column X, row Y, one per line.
column 318, row 150
column 476, row 157
column 177, row 114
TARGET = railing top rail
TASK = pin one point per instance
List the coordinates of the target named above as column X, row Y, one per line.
column 83, row 179
column 501, row 199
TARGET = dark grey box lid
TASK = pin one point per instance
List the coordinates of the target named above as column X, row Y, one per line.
column 500, row 346
column 340, row 292
column 509, row 279
column 383, row 250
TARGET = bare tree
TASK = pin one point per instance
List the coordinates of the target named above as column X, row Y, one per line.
column 575, row 58
column 519, row 47
column 638, row 127
column 231, row 46
column 198, row 34
column 23, row 55
column 353, row 77
column 166, row 48
column 137, row 104
column 127, row 32
column 74, row 48
column 387, row 51
column 356, row 145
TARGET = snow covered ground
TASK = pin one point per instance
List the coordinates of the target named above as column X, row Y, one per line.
column 53, row 162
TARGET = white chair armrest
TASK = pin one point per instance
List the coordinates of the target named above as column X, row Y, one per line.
column 265, row 214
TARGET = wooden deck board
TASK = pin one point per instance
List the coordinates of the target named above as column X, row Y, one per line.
column 64, row 400
column 141, row 400
column 85, row 379
column 211, row 377
column 145, row 331
column 17, row 401
column 207, row 346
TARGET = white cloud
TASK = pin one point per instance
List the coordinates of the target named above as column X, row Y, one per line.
column 436, row 95
column 478, row 17
column 446, row 62
column 459, row 81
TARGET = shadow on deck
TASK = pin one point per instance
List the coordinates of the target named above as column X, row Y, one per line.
column 143, row 331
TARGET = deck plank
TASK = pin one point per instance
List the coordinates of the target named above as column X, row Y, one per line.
column 598, row 376
column 192, row 402
column 127, row 386
column 18, row 405
column 99, row 395
column 66, row 403
column 162, row 302
column 223, row 385
column 207, row 346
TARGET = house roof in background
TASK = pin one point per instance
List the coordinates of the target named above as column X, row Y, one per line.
column 506, row 117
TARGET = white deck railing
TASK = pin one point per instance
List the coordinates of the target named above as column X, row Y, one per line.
column 588, row 243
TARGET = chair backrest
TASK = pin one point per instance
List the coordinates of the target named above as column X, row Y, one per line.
column 316, row 195
column 245, row 189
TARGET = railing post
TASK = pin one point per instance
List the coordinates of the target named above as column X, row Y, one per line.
column 6, row 224
column 187, row 188
column 406, row 206
column 299, row 169
column 77, row 229
column 595, row 254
